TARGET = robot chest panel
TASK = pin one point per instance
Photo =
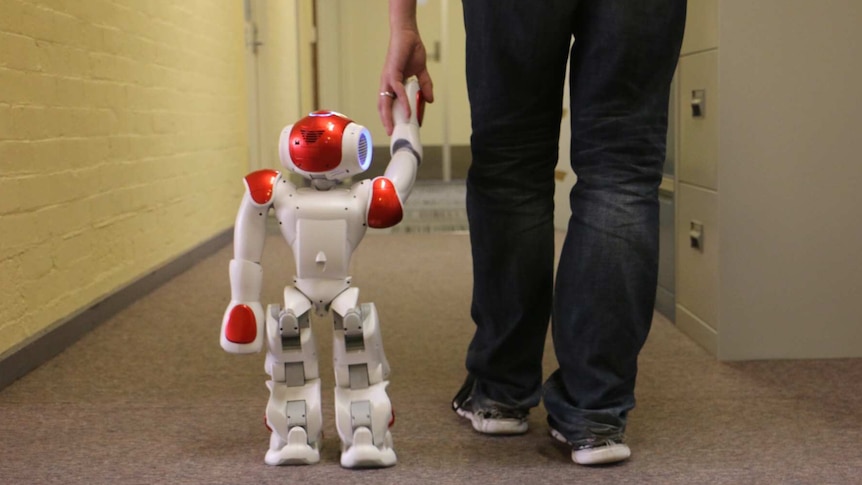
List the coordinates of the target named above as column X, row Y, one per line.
column 323, row 228
column 321, row 249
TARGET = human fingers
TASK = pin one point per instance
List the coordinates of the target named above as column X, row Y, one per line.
column 384, row 107
column 426, row 86
column 401, row 93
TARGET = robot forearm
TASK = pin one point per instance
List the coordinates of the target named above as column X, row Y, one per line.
column 405, row 145
column 245, row 280
column 402, row 172
column 242, row 323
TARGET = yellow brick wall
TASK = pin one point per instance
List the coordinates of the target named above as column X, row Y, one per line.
column 123, row 142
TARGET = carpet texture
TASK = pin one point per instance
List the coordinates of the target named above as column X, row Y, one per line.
column 150, row 397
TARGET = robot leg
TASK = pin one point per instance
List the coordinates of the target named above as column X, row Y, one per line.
column 293, row 413
column 363, row 411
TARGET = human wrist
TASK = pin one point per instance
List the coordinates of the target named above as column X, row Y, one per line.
column 402, row 16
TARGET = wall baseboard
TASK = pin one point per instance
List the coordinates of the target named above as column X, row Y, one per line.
column 665, row 303
column 35, row 351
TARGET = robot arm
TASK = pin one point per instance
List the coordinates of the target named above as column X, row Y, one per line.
column 242, row 324
column 389, row 192
column 405, row 147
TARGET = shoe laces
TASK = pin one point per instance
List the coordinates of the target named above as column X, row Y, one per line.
column 599, row 443
column 495, row 412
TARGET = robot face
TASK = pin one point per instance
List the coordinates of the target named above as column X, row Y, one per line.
column 325, row 144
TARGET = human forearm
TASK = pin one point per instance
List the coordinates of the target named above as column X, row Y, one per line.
column 402, row 15
column 405, row 58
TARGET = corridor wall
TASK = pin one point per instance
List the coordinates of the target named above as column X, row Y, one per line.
column 123, row 142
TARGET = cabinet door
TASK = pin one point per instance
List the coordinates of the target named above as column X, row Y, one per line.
column 698, row 119
column 697, row 267
column 665, row 299
column 701, row 26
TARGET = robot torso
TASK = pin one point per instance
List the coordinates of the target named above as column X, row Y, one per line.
column 323, row 228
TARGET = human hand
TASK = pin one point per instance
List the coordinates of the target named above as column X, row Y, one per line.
column 406, row 57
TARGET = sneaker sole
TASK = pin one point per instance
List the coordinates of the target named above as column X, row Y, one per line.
column 493, row 426
column 601, row 455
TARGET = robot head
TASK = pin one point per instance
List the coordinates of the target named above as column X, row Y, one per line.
column 325, row 145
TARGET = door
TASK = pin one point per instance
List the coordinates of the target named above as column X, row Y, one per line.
column 280, row 47
column 353, row 40
column 252, row 44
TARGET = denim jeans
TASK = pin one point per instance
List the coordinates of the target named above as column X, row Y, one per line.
column 601, row 304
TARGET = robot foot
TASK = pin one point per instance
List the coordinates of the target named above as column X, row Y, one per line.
column 363, row 454
column 296, row 451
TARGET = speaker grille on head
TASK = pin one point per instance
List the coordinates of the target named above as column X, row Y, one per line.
column 363, row 148
column 311, row 136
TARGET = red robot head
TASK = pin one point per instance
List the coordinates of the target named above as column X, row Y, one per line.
column 325, row 145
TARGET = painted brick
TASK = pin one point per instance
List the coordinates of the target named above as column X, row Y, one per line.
column 67, row 220
column 13, row 331
column 19, row 52
column 62, row 60
column 26, row 19
column 20, row 230
column 74, row 251
column 16, row 158
column 29, row 192
column 25, row 87
column 100, row 209
column 118, row 146
column 10, row 202
column 110, row 67
column 38, row 259
column 51, row 154
column 10, row 293
column 30, row 122
column 122, row 130
column 70, row 92
column 71, row 30
column 5, row 122
column 8, row 13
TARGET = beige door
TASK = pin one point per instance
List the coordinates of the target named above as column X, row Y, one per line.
column 280, row 72
column 353, row 39
column 252, row 45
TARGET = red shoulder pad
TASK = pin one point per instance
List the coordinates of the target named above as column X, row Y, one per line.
column 261, row 185
column 384, row 209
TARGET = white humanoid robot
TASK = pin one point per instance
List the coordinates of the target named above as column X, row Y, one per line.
column 323, row 224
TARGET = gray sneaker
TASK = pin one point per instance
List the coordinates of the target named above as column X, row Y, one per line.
column 598, row 452
column 491, row 420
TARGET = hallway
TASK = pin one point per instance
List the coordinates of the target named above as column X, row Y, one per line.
column 149, row 397
column 127, row 126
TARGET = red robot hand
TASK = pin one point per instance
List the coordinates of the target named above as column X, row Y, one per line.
column 241, row 327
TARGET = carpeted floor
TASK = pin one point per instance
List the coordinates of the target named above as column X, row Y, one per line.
column 149, row 396
column 434, row 207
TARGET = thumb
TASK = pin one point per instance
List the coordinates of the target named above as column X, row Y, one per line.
column 426, row 85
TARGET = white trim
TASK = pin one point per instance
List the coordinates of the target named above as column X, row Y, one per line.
column 697, row 330
column 667, row 185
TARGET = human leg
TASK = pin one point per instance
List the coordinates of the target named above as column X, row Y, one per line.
column 516, row 56
column 623, row 59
